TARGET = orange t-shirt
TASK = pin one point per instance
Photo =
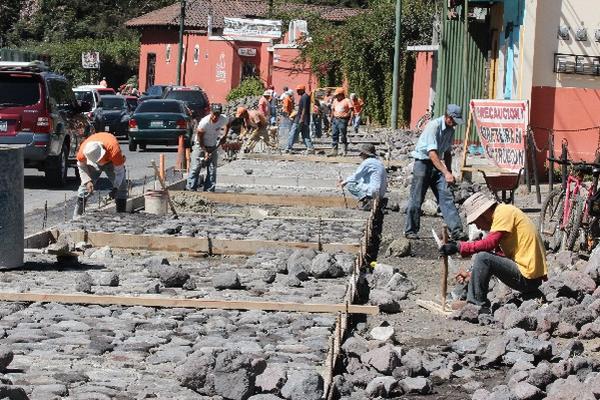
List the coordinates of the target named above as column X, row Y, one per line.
column 357, row 105
column 287, row 105
column 111, row 145
column 257, row 119
column 263, row 106
column 341, row 109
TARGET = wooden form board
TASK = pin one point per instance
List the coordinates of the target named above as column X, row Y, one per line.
column 312, row 158
column 273, row 199
column 147, row 301
column 198, row 245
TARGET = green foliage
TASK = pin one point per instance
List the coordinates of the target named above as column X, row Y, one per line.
column 118, row 59
column 248, row 87
column 362, row 52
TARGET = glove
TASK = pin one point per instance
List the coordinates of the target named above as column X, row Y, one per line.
column 449, row 249
column 113, row 193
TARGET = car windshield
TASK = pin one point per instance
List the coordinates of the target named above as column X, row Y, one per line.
column 85, row 96
column 112, row 103
column 159, row 107
column 155, row 91
column 18, row 90
column 189, row 96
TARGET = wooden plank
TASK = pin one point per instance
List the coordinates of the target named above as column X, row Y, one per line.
column 198, row 245
column 270, row 199
column 311, row 158
column 148, row 301
column 433, row 307
column 41, row 239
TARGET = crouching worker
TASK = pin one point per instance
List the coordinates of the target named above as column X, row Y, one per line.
column 101, row 153
column 370, row 179
column 521, row 264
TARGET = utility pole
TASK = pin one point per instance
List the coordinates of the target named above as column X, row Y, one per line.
column 394, row 118
column 181, row 27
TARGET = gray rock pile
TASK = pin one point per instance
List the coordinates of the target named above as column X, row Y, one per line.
column 388, row 286
column 250, row 102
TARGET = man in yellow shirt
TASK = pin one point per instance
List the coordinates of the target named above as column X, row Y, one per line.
column 512, row 251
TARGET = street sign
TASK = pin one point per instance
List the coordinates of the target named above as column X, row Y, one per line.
column 247, row 52
column 90, row 60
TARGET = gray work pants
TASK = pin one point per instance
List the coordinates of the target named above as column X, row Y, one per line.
column 198, row 162
column 95, row 173
column 486, row 265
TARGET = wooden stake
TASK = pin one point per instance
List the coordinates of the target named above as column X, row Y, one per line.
column 161, row 166
column 444, row 270
column 463, row 162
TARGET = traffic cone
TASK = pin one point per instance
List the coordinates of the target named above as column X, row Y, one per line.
column 181, row 154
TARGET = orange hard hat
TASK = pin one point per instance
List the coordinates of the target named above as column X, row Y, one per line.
column 240, row 112
column 301, row 87
column 339, row 91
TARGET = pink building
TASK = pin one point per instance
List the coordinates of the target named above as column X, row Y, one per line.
column 217, row 62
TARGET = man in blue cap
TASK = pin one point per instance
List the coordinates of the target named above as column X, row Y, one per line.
column 429, row 171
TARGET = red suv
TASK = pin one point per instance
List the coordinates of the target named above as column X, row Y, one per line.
column 38, row 109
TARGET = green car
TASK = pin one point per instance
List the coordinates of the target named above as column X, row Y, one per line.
column 160, row 122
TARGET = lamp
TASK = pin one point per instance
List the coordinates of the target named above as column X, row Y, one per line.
column 597, row 35
column 581, row 34
column 563, row 32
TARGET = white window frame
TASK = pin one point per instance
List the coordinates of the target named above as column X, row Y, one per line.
column 196, row 54
column 168, row 54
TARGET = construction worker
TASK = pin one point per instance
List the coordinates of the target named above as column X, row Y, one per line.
column 285, row 120
column 341, row 110
column 433, row 146
column 101, row 153
column 357, row 107
column 370, row 179
column 522, row 265
column 264, row 104
column 258, row 129
column 205, row 144
column 301, row 122
column 103, row 82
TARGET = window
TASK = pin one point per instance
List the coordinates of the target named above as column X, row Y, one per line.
column 168, row 53
column 19, row 90
column 196, row 54
column 61, row 95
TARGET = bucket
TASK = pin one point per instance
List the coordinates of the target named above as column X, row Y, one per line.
column 156, row 202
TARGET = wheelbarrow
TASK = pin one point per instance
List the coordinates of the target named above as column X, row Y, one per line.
column 504, row 182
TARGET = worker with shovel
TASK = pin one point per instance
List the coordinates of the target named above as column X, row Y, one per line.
column 97, row 154
column 370, row 179
column 522, row 262
column 205, row 144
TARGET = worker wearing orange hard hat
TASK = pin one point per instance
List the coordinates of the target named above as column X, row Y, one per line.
column 301, row 122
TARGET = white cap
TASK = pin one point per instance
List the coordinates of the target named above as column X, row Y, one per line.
column 94, row 151
column 268, row 93
column 352, row 95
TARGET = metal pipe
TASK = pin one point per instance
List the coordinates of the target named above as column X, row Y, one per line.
column 181, row 28
column 394, row 116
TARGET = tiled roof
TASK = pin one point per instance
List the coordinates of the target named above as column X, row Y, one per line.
column 197, row 13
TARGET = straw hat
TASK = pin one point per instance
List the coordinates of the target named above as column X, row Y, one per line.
column 476, row 205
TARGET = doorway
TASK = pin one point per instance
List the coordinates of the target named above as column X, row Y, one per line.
column 150, row 70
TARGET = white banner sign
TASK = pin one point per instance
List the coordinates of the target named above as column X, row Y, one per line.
column 90, row 60
column 247, row 51
column 261, row 28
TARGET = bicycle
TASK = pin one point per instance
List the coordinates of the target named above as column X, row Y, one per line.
column 565, row 215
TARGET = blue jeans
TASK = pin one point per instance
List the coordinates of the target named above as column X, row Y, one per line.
column 304, row 131
column 318, row 126
column 211, row 169
column 486, row 265
column 285, row 123
column 339, row 131
column 356, row 190
column 426, row 176
column 356, row 123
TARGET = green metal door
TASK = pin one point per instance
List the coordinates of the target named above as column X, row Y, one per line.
column 454, row 84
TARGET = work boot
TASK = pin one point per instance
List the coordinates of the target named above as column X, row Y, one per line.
column 121, row 205
column 79, row 207
column 345, row 151
column 334, row 152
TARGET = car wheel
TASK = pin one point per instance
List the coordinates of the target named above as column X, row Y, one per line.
column 57, row 168
column 142, row 146
column 132, row 145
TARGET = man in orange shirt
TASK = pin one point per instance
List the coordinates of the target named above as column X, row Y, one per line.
column 264, row 104
column 341, row 110
column 101, row 153
column 357, row 106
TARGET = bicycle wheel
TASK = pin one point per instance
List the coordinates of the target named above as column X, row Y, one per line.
column 551, row 220
column 575, row 230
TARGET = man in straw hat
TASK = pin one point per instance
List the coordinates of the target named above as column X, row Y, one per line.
column 522, row 263
column 429, row 171
column 370, row 179
column 101, row 153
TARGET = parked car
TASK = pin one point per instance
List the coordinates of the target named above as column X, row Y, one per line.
column 193, row 97
column 100, row 89
column 132, row 103
column 38, row 110
column 160, row 121
column 153, row 92
column 91, row 96
column 112, row 115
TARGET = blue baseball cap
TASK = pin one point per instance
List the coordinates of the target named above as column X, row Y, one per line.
column 455, row 112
